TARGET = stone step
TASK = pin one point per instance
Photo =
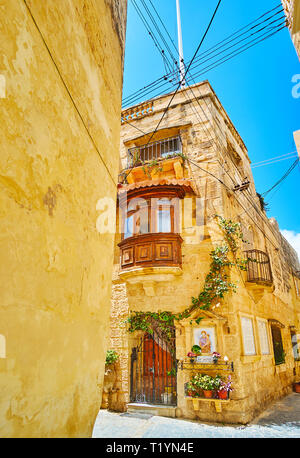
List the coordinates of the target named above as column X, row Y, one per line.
column 151, row 410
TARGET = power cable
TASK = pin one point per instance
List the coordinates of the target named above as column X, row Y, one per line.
column 221, row 164
column 179, row 84
column 152, row 35
column 216, row 63
column 205, row 53
column 291, row 168
column 187, row 70
column 290, row 156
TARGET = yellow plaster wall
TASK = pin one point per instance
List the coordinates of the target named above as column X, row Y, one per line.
column 60, row 124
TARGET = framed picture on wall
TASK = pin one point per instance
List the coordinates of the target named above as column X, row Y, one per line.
column 205, row 337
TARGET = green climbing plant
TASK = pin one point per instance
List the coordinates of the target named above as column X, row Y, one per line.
column 151, row 166
column 216, row 285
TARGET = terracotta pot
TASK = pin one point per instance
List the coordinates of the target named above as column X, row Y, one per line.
column 297, row 387
column 222, row 394
column 207, row 393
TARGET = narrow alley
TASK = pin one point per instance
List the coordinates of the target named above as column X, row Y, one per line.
column 281, row 420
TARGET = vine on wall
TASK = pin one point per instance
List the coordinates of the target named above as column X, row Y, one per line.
column 216, row 284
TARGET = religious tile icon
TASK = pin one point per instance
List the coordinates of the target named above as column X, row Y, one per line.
column 206, row 339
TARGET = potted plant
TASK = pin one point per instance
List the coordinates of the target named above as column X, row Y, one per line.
column 224, row 388
column 297, row 387
column 196, row 349
column 190, row 389
column 216, row 357
column 193, row 387
column 207, row 384
column 111, row 357
column 192, row 356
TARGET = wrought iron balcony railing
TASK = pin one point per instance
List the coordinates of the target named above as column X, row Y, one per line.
column 162, row 149
column 258, row 268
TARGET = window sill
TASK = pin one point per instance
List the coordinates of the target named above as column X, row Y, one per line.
column 280, row 368
column 249, row 359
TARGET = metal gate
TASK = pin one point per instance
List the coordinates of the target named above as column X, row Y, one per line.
column 153, row 377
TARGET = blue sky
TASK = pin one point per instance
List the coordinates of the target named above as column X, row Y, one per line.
column 255, row 87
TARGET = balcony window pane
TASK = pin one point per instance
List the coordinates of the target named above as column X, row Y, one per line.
column 142, row 221
column 128, row 227
column 163, row 216
column 164, row 220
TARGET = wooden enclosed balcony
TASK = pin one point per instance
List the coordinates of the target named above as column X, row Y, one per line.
column 258, row 269
column 151, row 250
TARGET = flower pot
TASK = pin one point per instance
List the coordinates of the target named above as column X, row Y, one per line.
column 215, row 360
column 208, row 394
column 222, row 394
column 297, row 387
column 192, row 360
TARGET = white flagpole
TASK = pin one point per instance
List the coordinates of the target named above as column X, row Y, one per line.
column 181, row 64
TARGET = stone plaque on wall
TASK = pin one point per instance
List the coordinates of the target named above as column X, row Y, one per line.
column 248, row 336
column 263, row 337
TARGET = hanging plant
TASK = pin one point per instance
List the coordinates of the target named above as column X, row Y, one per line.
column 151, row 166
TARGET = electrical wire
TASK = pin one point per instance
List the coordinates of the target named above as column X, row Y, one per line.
column 214, row 64
column 179, row 84
column 162, row 81
column 152, row 35
column 291, row 168
column 207, row 52
column 291, row 156
column 187, row 70
column 262, row 37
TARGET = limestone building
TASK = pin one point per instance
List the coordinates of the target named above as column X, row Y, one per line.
column 292, row 11
column 61, row 69
column 177, row 183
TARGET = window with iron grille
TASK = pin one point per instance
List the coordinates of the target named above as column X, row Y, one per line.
column 165, row 148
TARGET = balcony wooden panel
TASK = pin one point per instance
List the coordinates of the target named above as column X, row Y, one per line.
column 143, row 252
column 150, row 250
column 127, row 256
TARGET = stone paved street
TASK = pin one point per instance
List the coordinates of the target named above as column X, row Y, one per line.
column 281, row 420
